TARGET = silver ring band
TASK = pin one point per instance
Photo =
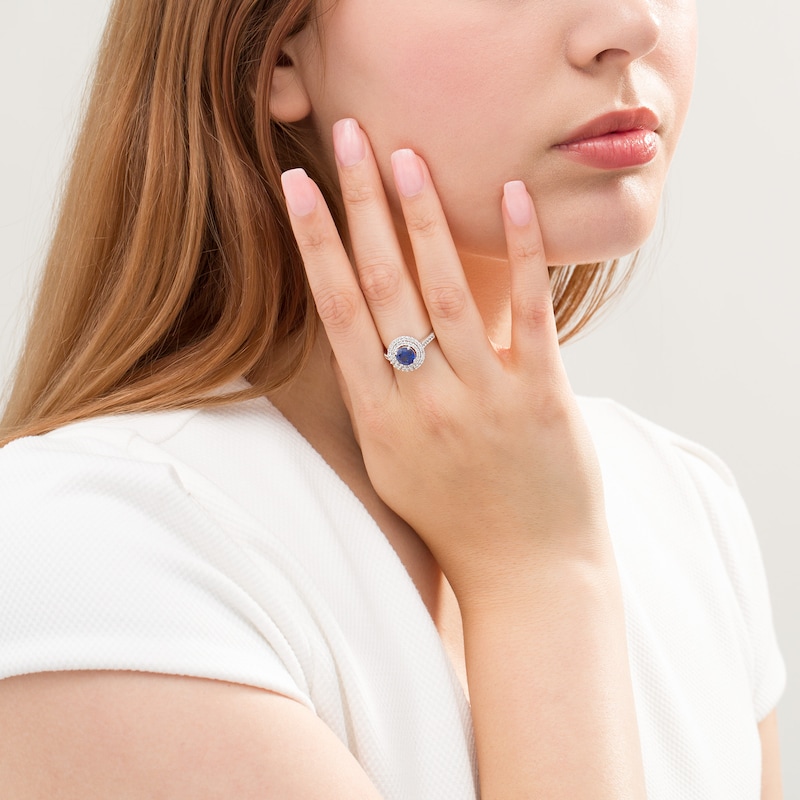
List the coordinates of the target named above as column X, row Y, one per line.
column 405, row 353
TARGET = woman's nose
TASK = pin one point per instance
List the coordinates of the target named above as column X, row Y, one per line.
column 613, row 33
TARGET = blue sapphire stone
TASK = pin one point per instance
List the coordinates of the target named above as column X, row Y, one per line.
column 406, row 355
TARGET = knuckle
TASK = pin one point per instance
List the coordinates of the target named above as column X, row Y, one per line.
column 312, row 242
column 433, row 414
column 380, row 282
column 552, row 408
column 372, row 418
column 534, row 312
column 423, row 224
column 358, row 194
column 337, row 309
column 552, row 404
column 446, row 301
column 526, row 252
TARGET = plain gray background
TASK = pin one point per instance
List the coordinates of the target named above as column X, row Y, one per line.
column 706, row 340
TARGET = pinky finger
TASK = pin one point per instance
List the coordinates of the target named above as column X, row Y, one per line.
column 534, row 338
column 340, row 303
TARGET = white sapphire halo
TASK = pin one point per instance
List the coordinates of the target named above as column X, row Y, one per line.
column 405, row 353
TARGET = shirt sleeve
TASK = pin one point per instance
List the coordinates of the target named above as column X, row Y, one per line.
column 106, row 562
column 741, row 555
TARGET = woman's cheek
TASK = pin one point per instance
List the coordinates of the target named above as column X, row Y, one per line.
column 449, row 106
column 438, row 79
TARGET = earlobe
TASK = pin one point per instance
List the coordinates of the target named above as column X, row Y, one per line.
column 288, row 98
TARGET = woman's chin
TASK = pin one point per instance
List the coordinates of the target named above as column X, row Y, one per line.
column 592, row 253
column 599, row 233
column 596, row 249
column 587, row 244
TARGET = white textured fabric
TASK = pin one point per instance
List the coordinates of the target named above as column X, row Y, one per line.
column 218, row 543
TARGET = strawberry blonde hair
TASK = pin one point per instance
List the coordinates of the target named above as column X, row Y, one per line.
column 173, row 269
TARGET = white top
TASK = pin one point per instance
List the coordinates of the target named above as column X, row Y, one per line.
column 219, row 544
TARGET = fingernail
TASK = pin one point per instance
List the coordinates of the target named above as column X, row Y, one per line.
column 299, row 192
column 518, row 203
column 408, row 173
column 348, row 142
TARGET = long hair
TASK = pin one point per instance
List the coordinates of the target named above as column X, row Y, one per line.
column 172, row 269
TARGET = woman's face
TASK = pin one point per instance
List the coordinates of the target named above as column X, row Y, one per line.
column 486, row 91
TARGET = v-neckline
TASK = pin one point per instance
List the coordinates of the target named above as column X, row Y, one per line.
column 422, row 611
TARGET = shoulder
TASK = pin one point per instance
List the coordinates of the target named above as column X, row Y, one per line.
column 672, row 475
column 85, row 477
column 679, row 519
column 145, row 459
column 621, row 434
column 113, row 560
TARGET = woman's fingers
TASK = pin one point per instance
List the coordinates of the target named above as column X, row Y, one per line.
column 340, row 302
column 452, row 310
column 385, row 280
column 534, row 337
column 361, row 315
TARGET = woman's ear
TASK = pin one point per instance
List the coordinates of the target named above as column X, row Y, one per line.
column 288, row 98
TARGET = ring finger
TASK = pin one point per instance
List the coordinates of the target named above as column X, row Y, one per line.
column 386, row 282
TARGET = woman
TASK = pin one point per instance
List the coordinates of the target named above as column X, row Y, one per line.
column 412, row 562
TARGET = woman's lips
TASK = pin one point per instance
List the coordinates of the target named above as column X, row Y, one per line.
column 619, row 140
column 618, row 150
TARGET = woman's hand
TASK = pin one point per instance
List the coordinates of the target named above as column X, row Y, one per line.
column 481, row 450
column 485, row 454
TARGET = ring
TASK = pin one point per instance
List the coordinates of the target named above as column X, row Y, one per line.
column 406, row 353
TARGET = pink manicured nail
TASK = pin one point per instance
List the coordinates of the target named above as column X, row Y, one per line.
column 348, row 142
column 408, row 173
column 299, row 191
column 518, row 203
